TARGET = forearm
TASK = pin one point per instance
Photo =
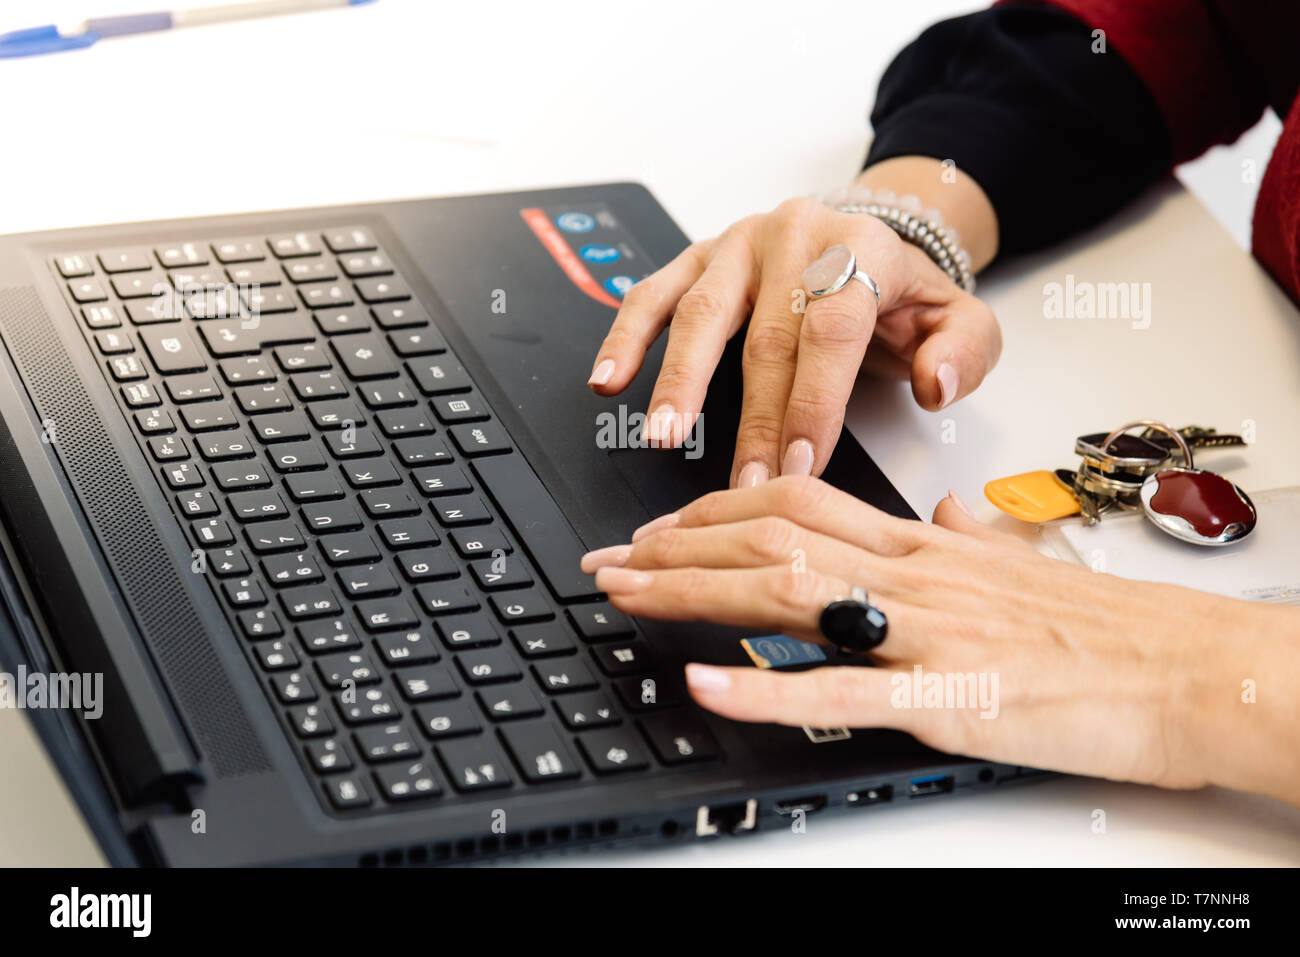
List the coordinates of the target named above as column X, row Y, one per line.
column 964, row 205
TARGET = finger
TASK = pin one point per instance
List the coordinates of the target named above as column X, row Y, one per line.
column 832, row 341
column 754, row 543
column 707, row 315
column 644, row 313
column 821, row 698
column 775, row 597
column 772, row 344
column 954, row 514
column 959, row 351
column 812, row 503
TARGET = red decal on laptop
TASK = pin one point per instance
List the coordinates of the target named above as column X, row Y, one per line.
column 565, row 257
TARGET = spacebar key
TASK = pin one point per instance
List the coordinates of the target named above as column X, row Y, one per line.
column 538, row 522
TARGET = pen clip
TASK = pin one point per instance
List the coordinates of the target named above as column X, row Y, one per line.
column 46, row 39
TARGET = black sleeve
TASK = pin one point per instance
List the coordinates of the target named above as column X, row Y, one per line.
column 1058, row 136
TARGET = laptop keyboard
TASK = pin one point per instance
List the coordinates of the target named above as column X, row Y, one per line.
column 397, row 573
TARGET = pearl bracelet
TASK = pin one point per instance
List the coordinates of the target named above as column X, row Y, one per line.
column 920, row 227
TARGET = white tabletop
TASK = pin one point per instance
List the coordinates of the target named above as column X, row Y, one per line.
column 721, row 109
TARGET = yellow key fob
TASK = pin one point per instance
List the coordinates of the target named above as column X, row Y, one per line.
column 1032, row 496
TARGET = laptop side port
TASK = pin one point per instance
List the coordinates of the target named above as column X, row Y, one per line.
column 732, row 818
column 866, row 796
column 930, row 784
column 808, row 805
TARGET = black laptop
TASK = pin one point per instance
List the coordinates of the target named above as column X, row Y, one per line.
column 308, row 490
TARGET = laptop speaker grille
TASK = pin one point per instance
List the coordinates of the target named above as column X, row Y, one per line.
column 125, row 530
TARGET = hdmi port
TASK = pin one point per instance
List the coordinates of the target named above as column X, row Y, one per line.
column 808, row 805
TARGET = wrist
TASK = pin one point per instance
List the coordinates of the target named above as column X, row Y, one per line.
column 1235, row 714
column 948, row 189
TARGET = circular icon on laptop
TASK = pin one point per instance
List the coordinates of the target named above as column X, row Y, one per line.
column 575, row 222
column 597, row 253
column 619, row 285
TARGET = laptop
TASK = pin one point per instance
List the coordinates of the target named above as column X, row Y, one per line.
column 292, row 505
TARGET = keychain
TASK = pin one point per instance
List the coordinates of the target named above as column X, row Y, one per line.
column 1153, row 472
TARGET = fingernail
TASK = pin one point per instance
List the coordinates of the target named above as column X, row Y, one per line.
column 622, row 581
column 660, row 427
column 708, row 679
column 657, row 525
column 603, row 372
column 611, row 557
column 798, row 458
column 947, row 377
column 752, row 475
column 956, row 500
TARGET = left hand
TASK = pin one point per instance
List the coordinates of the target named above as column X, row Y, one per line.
column 1097, row 675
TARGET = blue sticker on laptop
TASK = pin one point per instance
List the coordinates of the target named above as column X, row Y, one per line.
column 781, row 651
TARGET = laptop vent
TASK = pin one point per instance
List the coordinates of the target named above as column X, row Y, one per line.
column 148, row 580
column 496, row 845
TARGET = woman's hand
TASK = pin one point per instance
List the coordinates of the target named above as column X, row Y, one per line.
column 799, row 367
column 1094, row 674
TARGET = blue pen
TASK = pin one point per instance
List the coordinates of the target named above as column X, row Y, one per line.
column 48, row 39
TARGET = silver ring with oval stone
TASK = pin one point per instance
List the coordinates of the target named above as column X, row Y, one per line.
column 833, row 270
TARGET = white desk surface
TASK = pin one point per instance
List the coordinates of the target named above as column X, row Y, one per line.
column 721, row 109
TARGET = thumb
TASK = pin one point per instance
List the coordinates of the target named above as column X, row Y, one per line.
column 955, row 515
column 954, row 358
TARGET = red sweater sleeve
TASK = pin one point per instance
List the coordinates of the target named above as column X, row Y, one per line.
column 1193, row 62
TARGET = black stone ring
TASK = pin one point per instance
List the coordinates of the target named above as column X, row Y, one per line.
column 853, row 624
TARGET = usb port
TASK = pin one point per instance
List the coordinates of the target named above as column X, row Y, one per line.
column 930, row 784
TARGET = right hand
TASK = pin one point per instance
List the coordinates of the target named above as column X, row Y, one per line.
column 799, row 370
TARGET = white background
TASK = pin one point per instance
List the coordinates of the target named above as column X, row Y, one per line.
column 721, row 109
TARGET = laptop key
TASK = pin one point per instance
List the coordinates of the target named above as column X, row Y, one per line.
column 197, row 504
column 445, row 598
column 242, row 370
column 181, row 254
column 679, row 738
column 311, row 270
column 486, row 438
column 144, row 312
column 400, row 315
column 100, row 317
column 365, row 581
column 228, row 561
column 238, row 250
column 291, row 245
column 382, row 289
column 412, row 646
column 243, row 592
column 193, row 388
column 428, row 564
column 460, row 510
column 582, row 711
column 260, row 623
column 364, row 265
column 127, row 368
column 385, row 742
column 386, row 614
column 255, row 274
column 406, row 782
column 466, row 631
column 396, row 423
column 539, row 753
column 321, row 295
column 309, row 601
column 560, row 675
column 281, row 427
column 476, row 765
column 125, row 260
column 154, row 421
column 208, row 416
column 276, row 655
column 487, row 666
column 366, row 705
column 448, row 719
column 328, row 755
column 417, row 342
column 350, row 548
column 348, row 792
column 334, row 322
column 426, row 683
column 600, row 622
column 422, row 450
column 87, row 290
column 349, row 239
column 293, row 687
column 172, row 350
column 623, row 658
column 439, row 376
column 500, row 572
column 363, row 356
column 240, row 475
column 442, row 480
column 278, row 536
column 292, row 568
column 521, row 606
column 180, row 475
column 613, row 751
column 337, row 670
column 510, row 702
column 325, row 636
column 140, row 395
column 543, row 640
column 311, row 721
column 73, row 266
column 141, row 285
